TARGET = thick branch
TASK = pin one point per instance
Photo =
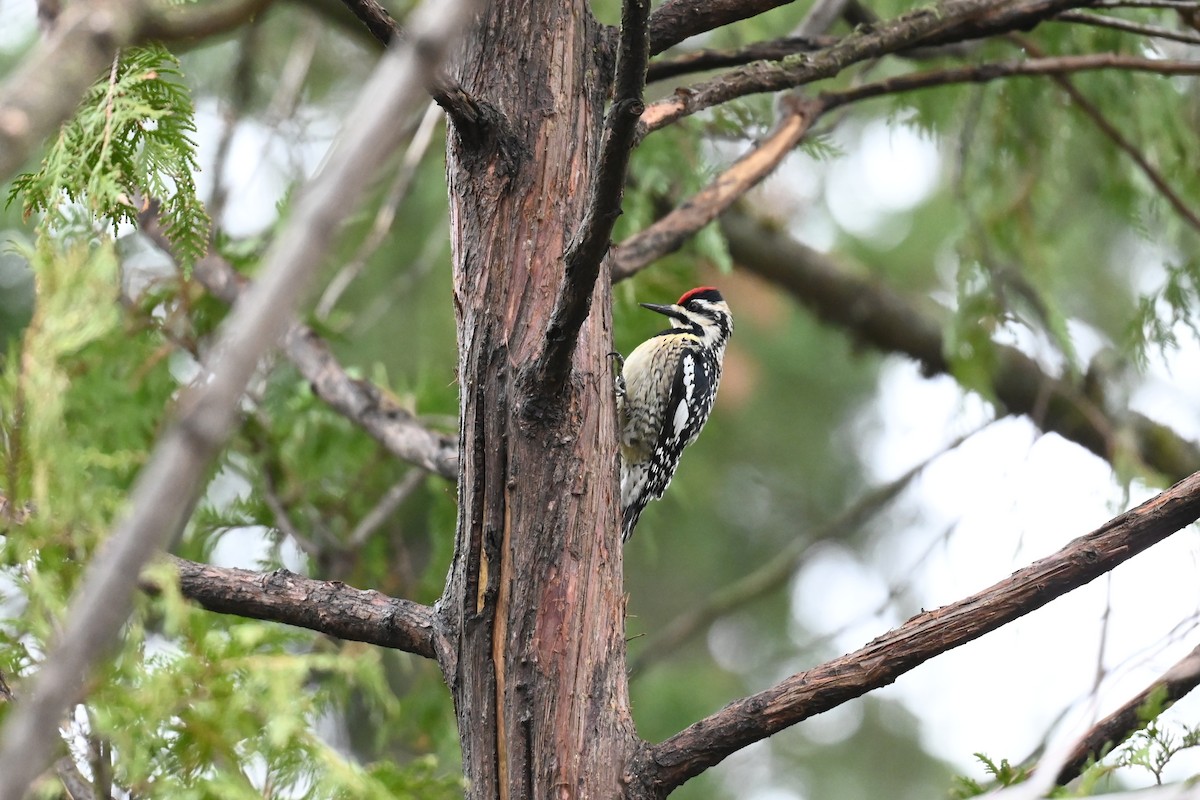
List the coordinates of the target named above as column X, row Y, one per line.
column 952, row 20
column 1118, row 726
column 709, row 741
column 328, row 607
column 586, row 252
column 667, row 234
column 879, row 316
column 676, row 20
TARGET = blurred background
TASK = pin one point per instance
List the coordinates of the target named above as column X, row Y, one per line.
column 836, row 491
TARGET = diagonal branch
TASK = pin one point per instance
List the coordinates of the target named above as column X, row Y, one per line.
column 668, row 233
column 590, row 244
column 1093, row 112
column 328, row 607
column 877, row 315
column 666, row 765
column 1118, row 726
column 676, row 20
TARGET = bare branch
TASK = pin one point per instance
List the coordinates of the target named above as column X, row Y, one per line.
column 1118, row 726
column 387, row 505
column 701, row 60
column 376, row 19
column 877, row 315
column 328, row 607
column 668, row 233
column 952, row 20
column 983, row 73
column 676, row 20
column 167, row 487
column 670, row 763
column 1101, row 21
column 590, row 244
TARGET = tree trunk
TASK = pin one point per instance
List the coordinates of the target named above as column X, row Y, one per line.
column 534, row 598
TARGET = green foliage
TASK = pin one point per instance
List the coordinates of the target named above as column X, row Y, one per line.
column 130, row 140
column 1002, row 773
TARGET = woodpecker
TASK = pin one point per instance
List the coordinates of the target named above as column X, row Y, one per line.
column 664, row 395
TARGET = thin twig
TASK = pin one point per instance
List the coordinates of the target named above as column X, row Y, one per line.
column 1093, row 112
column 360, row 401
column 984, row 73
column 668, row 233
column 1101, row 21
column 585, row 254
column 387, row 505
column 384, row 216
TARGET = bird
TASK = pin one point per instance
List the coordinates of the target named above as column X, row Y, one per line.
column 665, row 392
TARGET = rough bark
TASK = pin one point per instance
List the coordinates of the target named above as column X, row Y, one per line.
column 534, row 596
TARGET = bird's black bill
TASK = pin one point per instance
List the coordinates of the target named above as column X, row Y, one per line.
column 670, row 311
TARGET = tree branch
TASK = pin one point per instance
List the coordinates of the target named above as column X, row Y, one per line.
column 951, row 21
column 585, row 253
column 1117, row 138
column 1101, row 21
column 877, row 315
column 668, row 233
column 676, row 20
column 670, row 763
column 328, row 607
column 702, row 60
column 984, row 73
column 1118, row 726
column 167, row 486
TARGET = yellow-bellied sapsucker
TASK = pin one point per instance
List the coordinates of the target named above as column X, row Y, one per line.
column 664, row 395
